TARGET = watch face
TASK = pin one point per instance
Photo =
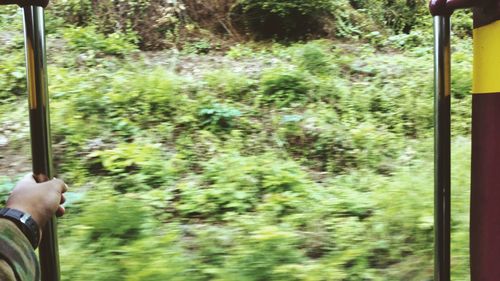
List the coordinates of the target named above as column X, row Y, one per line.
column 25, row 217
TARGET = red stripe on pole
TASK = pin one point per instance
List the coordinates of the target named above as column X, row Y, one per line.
column 485, row 193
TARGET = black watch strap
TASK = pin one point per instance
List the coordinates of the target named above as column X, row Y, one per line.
column 25, row 222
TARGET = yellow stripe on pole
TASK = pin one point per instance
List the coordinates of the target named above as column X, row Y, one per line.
column 487, row 59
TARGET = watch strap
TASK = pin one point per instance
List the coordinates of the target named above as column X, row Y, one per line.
column 25, row 223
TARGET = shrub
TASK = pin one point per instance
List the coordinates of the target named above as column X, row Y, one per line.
column 237, row 184
column 219, row 116
column 159, row 258
column 87, row 39
column 257, row 256
column 79, row 12
column 284, row 86
column 313, row 58
column 150, row 97
column 214, row 15
column 151, row 20
column 227, row 84
column 12, row 76
column 135, row 166
column 119, row 218
column 398, row 15
column 282, row 19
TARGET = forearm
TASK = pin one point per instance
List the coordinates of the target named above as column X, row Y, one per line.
column 17, row 252
column 6, row 272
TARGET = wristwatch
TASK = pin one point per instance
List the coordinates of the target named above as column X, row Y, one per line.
column 25, row 222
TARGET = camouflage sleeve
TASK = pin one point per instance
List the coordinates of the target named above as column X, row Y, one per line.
column 17, row 252
column 6, row 273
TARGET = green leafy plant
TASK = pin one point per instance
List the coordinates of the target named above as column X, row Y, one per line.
column 285, row 20
column 137, row 166
column 284, row 86
column 87, row 39
column 219, row 116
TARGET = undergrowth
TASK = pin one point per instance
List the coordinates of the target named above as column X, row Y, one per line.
column 318, row 166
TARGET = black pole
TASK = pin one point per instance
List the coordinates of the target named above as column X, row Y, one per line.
column 36, row 66
column 442, row 138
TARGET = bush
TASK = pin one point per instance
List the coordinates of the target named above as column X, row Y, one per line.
column 314, row 58
column 153, row 21
column 227, row 84
column 259, row 255
column 282, row 19
column 136, row 166
column 283, row 86
column 214, row 15
column 219, row 116
column 328, row 143
column 237, row 184
column 159, row 258
column 401, row 16
column 113, row 218
column 159, row 24
column 87, row 39
column 12, row 76
column 151, row 97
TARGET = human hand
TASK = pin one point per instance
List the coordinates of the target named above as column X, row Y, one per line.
column 40, row 200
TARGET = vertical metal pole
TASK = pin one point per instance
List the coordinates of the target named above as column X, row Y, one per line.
column 442, row 158
column 36, row 66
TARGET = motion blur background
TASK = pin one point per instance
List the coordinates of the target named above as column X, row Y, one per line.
column 243, row 140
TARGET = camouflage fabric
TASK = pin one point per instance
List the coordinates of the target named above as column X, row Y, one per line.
column 16, row 254
column 6, row 273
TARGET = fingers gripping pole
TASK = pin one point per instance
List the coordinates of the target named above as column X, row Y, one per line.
column 442, row 94
column 36, row 66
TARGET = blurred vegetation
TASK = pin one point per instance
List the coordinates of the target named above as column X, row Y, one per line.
column 294, row 160
column 156, row 24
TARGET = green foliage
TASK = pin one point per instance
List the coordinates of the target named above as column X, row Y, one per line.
column 314, row 59
column 199, row 47
column 461, row 81
column 150, row 97
column 6, row 185
column 9, row 18
column 399, row 15
column 282, row 19
column 228, row 84
column 119, row 217
column 240, row 51
column 159, row 258
column 75, row 11
column 12, row 75
column 311, row 161
column 284, row 86
column 136, row 166
column 87, row 39
column 158, row 24
column 237, row 184
column 288, row 8
column 462, row 23
column 147, row 20
column 260, row 254
column 219, row 116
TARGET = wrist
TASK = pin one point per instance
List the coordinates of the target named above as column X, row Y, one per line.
column 24, row 209
column 24, row 222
